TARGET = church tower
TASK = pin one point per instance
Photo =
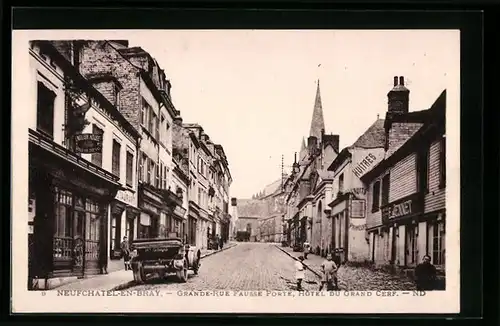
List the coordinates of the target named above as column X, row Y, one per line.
column 317, row 124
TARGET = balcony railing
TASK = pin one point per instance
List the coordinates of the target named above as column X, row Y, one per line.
column 47, row 144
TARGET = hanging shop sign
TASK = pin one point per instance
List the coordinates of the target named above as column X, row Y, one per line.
column 88, row 143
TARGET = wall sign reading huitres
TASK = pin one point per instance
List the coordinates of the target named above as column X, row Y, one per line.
column 88, row 143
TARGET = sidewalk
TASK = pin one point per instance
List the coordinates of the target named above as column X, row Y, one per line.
column 121, row 279
column 355, row 278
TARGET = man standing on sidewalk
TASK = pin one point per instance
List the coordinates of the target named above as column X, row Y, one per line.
column 425, row 275
column 125, row 247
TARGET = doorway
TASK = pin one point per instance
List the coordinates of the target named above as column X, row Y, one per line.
column 411, row 258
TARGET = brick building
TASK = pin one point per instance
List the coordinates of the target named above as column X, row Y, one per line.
column 145, row 102
column 72, row 196
column 406, row 191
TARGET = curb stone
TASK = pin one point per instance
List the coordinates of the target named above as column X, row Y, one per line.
column 342, row 285
column 295, row 258
column 132, row 283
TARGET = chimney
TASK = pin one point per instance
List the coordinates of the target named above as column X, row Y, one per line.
column 312, row 144
column 178, row 120
column 168, row 87
column 398, row 97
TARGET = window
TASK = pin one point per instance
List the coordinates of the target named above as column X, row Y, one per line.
column 152, row 122
column 157, row 128
column 157, row 176
column 167, row 133
column 115, row 164
column 376, row 197
column 422, row 170
column 442, row 163
column 143, row 167
column 341, row 183
column 45, row 110
column 97, row 157
column 63, row 225
column 145, row 113
column 199, row 196
column 151, row 168
column 130, row 168
column 386, row 184
column 165, row 177
column 438, row 243
column 162, row 132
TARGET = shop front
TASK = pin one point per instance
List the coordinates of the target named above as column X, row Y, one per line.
column 175, row 225
column 151, row 205
column 69, row 202
column 405, row 229
column 124, row 219
column 194, row 225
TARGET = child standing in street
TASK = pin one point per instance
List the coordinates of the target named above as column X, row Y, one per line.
column 329, row 269
column 299, row 272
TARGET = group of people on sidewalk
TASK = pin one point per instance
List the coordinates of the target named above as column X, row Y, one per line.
column 425, row 273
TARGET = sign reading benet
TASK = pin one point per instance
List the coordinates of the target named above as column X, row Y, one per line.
column 88, row 143
column 397, row 210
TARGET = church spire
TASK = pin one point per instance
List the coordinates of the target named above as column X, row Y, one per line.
column 303, row 149
column 317, row 122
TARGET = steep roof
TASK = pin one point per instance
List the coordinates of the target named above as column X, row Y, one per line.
column 373, row 137
column 317, row 121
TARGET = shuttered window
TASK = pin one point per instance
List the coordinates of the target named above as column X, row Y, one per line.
column 376, row 196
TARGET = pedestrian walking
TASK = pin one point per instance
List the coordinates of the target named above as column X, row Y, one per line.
column 221, row 243
column 425, row 275
column 329, row 278
column 125, row 248
column 299, row 272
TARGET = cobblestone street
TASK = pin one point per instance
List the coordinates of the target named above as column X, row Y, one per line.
column 263, row 266
column 360, row 278
column 248, row 266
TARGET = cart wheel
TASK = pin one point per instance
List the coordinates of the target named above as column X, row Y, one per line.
column 182, row 275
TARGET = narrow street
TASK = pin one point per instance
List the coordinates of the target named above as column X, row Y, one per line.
column 262, row 266
column 248, row 266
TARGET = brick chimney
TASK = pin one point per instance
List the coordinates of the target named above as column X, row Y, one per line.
column 398, row 97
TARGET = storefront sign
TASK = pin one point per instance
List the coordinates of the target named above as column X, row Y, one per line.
column 354, row 227
column 150, row 207
column 397, row 210
column 88, row 143
column 126, row 196
column 358, row 208
column 145, row 219
column 179, row 211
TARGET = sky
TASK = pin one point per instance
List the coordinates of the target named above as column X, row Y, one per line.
column 253, row 91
